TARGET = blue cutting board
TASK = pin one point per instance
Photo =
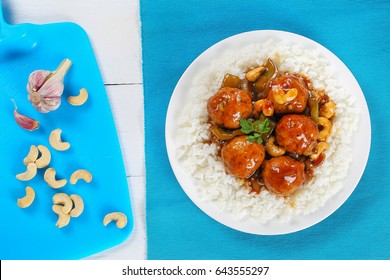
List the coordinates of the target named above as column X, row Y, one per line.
column 31, row 233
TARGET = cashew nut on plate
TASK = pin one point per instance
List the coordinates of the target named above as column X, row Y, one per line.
column 28, row 199
column 79, row 99
column 272, row 149
column 50, row 179
column 322, row 146
column 254, row 74
column 63, row 218
column 282, row 97
column 29, row 173
column 63, row 200
column 328, row 109
column 80, row 174
column 56, row 141
column 32, row 155
column 120, row 218
column 45, row 157
column 326, row 127
column 265, row 106
column 78, row 207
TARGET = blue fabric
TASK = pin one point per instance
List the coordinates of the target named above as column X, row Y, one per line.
column 174, row 33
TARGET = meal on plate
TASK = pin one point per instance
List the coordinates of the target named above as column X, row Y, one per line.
column 266, row 131
column 270, row 128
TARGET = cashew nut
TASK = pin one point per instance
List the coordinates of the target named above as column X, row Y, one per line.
column 45, row 157
column 79, row 99
column 29, row 173
column 32, row 155
column 50, row 179
column 254, row 74
column 326, row 127
column 282, row 97
column 328, row 109
column 322, row 146
column 78, row 205
column 80, row 174
column 26, row 201
column 120, row 218
column 64, row 200
column 56, row 142
column 272, row 149
column 63, row 218
column 265, row 106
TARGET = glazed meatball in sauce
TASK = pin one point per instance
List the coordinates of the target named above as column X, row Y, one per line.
column 242, row 158
column 228, row 106
column 283, row 175
column 286, row 83
column 297, row 134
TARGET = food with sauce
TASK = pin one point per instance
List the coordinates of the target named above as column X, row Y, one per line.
column 282, row 100
column 265, row 132
column 228, row 106
column 241, row 157
column 283, row 175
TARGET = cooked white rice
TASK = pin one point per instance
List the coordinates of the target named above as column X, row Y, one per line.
column 225, row 190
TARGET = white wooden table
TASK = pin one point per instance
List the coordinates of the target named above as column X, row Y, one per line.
column 114, row 31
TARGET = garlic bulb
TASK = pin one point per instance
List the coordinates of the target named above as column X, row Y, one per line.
column 45, row 87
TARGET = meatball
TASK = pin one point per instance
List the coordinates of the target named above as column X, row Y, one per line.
column 297, row 134
column 228, row 106
column 242, row 158
column 287, row 82
column 283, row 175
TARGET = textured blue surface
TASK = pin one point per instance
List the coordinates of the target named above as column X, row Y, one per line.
column 174, row 33
column 31, row 233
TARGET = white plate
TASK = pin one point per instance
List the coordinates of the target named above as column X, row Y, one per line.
column 360, row 145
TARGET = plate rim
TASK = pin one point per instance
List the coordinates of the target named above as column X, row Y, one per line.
column 345, row 193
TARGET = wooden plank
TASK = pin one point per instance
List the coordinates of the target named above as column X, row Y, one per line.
column 113, row 28
column 127, row 107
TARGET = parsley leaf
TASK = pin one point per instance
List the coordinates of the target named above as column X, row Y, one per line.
column 246, row 126
column 258, row 128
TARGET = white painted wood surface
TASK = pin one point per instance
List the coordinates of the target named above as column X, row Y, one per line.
column 114, row 31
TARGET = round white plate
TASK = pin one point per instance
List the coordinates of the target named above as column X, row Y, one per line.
column 360, row 145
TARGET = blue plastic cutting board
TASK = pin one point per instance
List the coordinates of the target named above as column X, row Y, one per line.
column 31, row 233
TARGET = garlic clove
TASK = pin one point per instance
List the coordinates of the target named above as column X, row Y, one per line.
column 24, row 121
column 37, row 78
column 45, row 88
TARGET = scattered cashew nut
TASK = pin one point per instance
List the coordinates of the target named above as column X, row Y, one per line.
column 265, row 106
column 79, row 99
column 80, row 174
column 273, row 149
column 322, row 146
column 45, row 157
column 50, row 179
column 28, row 199
column 120, row 218
column 254, row 74
column 56, row 142
column 63, row 218
column 78, row 205
column 282, row 97
column 32, row 155
column 326, row 127
column 29, row 173
column 328, row 109
column 63, row 200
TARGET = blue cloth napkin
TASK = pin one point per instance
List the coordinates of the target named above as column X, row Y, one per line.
column 174, row 33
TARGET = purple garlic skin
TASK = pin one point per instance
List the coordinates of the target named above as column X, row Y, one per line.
column 45, row 87
column 23, row 121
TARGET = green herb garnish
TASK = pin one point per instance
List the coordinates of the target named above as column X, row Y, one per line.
column 255, row 130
